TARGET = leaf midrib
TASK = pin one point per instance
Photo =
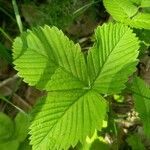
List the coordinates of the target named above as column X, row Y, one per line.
column 101, row 69
column 122, row 10
column 64, row 113
column 57, row 64
column 125, row 11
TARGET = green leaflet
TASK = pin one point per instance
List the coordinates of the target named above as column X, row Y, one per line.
column 37, row 57
column 12, row 133
column 142, row 98
column 97, row 144
column 135, row 142
column 128, row 12
column 145, row 3
column 6, row 127
column 112, row 58
column 5, row 54
column 21, row 126
column 141, row 20
column 25, row 145
column 141, row 3
column 143, row 36
column 67, row 117
column 136, row 2
column 73, row 107
column 9, row 144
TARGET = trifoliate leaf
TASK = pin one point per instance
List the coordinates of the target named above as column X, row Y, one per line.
column 73, row 107
column 127, row 7
column 112, row 58
column 142, row 102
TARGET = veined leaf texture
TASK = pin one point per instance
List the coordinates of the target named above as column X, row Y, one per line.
column 74, row 106
column 128, row 12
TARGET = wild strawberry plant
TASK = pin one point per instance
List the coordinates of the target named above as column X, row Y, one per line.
column 76, row 84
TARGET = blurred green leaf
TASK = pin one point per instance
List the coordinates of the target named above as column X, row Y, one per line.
column 13, row 134
column 5, row 54
column 143, row 35
column 21, row 126
column 6, row 127
column 25, row 145
column 9, row 145
column 118, row 98
column 97, row 145
column 135, row 142
column 137, row 2
column 141, row 95
column 145, row 3
column 128, row 13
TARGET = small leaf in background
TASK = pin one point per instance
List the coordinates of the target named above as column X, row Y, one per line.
column 127, row 12
column 9, row 145
column 141, row 20
column 6, row 127
column 97, row 145
column 141, row 95
column 143, row 35
column 25, row 145
column 7, row 131
column 137, row 2
column 135, row 142
column 120, row 9
column 95, row 142
column 118, row 98
column 146, row 10
column 13, row 134
column 21, row 126
column 5, row 54
column 145, row 3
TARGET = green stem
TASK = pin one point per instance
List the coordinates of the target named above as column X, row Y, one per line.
column 6, row 100
column 6, row 35
column 84, row 8
column 5, row 12
column 18, row 18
